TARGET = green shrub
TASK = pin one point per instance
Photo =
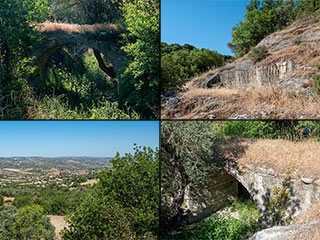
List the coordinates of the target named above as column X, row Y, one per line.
column 316, row 83
column 7, row 219
column 261, row 129
column 258, row 53
column 218, row 227
column 56, row 108
column 124, row 202
column 185, row 62
column 277, row 205
column 31, row 223
column 317, row 65
column 297, row 40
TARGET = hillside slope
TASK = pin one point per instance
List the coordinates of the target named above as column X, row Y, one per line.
column 279, row 86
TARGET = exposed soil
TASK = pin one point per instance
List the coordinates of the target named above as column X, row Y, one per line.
column 59, row 223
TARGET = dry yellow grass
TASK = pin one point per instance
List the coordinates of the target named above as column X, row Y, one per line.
column 226, row 103
column 90, row 182
column 207, row 92
column 16, row 171
column 77, row 28
column 311, row 214
column 282, row 156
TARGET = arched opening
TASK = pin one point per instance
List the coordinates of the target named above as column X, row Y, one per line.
column 44, row 59
column 243, row 193
column 73, row 76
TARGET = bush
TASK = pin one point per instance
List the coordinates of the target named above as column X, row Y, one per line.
column 218, row 227
column 31, row 223
column 297, row 40
column 7, row 219
column 55, row 108
column 261, row 129
column 316, row 83
column 317, row 65
column 278, row 205
column 123, row 204
column 258, row 53
column 181, row 62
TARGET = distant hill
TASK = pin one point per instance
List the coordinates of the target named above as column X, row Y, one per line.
column 71, row 163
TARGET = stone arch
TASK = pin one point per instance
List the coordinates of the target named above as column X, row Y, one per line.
column 220, row 188
column 106, row 43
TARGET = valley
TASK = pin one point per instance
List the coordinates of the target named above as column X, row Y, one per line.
column 40, row 171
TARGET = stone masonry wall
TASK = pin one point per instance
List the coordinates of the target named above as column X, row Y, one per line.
column 201, row 202
column 260, row 183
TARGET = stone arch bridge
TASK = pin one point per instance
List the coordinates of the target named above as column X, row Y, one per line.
column 258, row 182
column 107, row 43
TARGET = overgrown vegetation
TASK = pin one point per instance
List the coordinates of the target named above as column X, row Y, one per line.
column 225, row 227
column 265, row 17
column 26, row 223
column 191, row 151
column 258, row 53
column 280, row 129
column 123, row 204
column 73, row 73
column 181, row 62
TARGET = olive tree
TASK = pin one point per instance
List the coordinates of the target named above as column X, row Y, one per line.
column 188, row 154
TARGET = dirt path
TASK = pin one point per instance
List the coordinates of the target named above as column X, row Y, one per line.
column 59, row 223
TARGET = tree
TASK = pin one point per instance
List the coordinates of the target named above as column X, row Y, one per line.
column 181, row 62
column 253, row 4
column 188, row 154
column 124, row 203
column 31, row 223
column 139, row 85
column 86, row 11
column 261, row 19
column 18, row 37
column 7, row 219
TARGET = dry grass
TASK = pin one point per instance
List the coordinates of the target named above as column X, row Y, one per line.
column 90, row 182
column 301, row 157
column 206, row 92
column 309, row 234
column 77, row 28
column 269, row 102
column 311, row 214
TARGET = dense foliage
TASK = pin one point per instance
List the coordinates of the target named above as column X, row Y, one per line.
column 219, row 227
column 24, row 224
column 54, row 199
column 281, row 129
column 124, row 203
column 265, row 17
column 188, row 154
column 140, row 80
column 73, row 86
column 181, row 62
column 85, row 12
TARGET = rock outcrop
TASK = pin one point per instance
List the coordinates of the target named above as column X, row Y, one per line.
column 286, row 232
column 289, row 63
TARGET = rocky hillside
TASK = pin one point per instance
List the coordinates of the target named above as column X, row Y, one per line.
column 278, row 86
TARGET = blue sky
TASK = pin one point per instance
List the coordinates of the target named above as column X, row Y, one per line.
column 202, row 23
column 75, row 138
